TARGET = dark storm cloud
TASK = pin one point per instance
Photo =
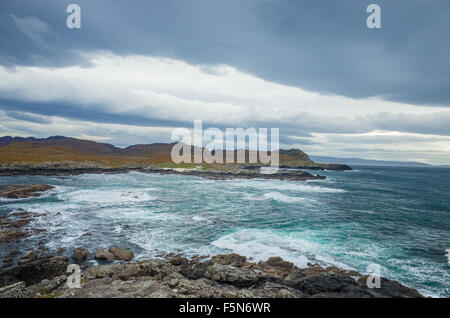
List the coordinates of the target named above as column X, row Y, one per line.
column 319, row 45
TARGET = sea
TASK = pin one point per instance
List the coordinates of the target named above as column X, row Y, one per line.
column 391, row 221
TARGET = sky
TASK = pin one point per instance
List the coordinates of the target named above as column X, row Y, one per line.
column 136, row 70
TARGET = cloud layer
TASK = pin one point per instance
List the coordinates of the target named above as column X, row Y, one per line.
column 166, row 93
column 133, row 72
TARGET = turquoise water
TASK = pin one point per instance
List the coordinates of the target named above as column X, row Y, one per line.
column 396, row 218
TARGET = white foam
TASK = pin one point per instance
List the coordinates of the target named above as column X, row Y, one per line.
column 281, row 186
column 277, row 196
column 198, row 218
column 108, row 196
column 261, row 244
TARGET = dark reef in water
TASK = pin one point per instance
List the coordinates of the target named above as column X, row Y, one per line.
column 20, row 191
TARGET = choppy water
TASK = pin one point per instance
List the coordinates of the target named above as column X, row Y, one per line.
column 398, row 218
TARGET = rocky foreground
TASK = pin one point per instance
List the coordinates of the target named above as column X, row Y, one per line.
column 229, row 275
column 41, row 273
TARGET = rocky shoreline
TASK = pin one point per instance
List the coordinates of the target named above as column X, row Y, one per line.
column 208, row 174
column 42, row 273
column 174, row 276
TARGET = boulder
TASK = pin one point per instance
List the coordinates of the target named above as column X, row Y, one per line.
column 229, row 259
column 178, row 260
column 80, row 254
column 121, row 254
column 103, row 255
column 276, row 267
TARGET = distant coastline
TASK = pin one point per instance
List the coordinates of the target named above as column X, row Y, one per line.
column 66, row 153
column 368, row 162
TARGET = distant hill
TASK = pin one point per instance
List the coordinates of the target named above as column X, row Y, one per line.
column 63, row 149
column 84, row 146
column 358, row 161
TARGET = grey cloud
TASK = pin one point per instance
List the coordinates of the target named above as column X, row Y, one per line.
column 434, row 123
column 319, row 45
column 35, row 29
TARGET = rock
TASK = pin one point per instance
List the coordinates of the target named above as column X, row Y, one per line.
column 178, row 260
column 34, row 271
column 390, row 288
column 194, row 271
column 60, row 251
column 173, row 283
column 23, row 190
column 312, row 270
column 279, row 290
column 45, row 277
column 233, row 275
column 133, row 270
column 102, row 271
column 276, row 267
column 12, row 235
column 16, row 290
column 28, row 257
column 121, row 254
column 101, row 254
column 46, row 286
column 229, row 259
column 338, row 271
column 325, row 283
column 80, row 254
column 11, row 226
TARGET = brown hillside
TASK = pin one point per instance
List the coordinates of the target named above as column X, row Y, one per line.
column 60, row 149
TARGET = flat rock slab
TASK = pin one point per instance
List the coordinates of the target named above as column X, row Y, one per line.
column 20, row 191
